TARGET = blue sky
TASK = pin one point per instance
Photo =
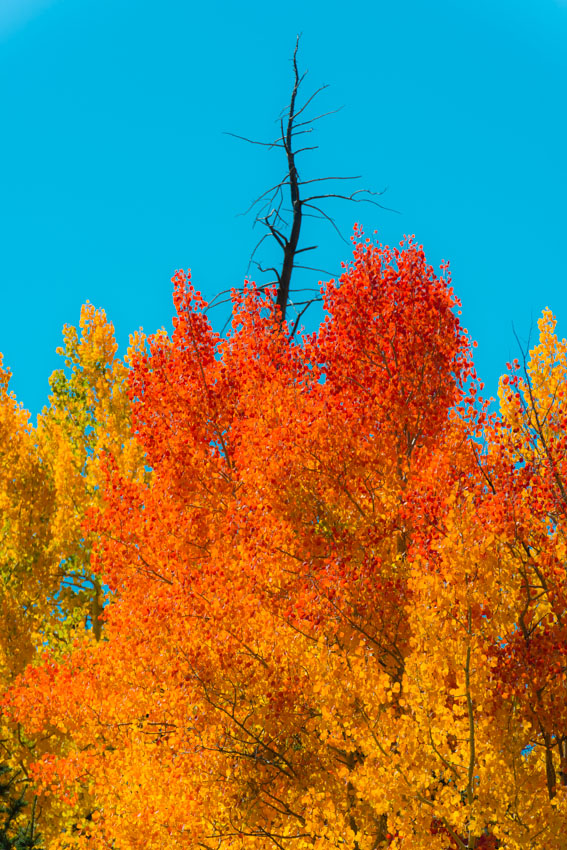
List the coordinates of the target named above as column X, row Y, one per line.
column 115, row 170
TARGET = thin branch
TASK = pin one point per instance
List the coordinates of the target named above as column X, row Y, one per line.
column 253, row 141
column 312, row 97
column 318, row 117
column 313, row 269
column 299, row 315
column 323, row 215
column 352, row 177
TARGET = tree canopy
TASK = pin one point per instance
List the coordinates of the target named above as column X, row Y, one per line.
column 266, row 590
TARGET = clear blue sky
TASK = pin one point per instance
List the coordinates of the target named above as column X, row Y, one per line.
column 115, row 171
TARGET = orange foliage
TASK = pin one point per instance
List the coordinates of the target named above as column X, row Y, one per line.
column 336, row 607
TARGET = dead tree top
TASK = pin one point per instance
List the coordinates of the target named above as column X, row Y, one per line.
column 284, row 223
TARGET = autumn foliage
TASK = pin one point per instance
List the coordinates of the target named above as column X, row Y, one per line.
column 335, row 597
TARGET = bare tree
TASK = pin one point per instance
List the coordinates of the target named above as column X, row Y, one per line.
column 282, row 223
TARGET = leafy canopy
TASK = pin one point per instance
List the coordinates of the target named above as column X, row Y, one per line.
column 335, row 584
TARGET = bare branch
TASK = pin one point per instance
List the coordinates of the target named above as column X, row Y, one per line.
column 354, row 177
column 275, row 188
column 314, row 269
column 318, row 118
column 353, row 198
column 299, row 315
column 309, row 99
column 275, row 144
column 323, row 215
